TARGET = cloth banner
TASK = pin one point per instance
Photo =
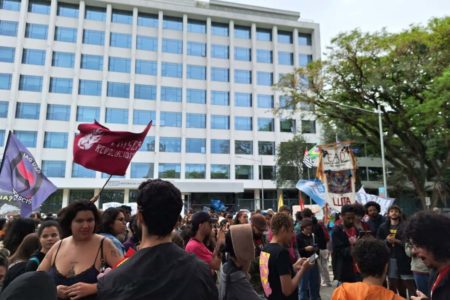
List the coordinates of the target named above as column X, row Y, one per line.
column 314, row 189
column 362, row 197
column 100, row 149
column 22, row 179
column 337, row 170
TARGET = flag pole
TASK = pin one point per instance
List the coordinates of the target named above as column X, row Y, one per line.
column 4, row 152
column 95, row 198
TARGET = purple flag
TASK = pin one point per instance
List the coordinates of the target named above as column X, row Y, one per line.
column 21, row 177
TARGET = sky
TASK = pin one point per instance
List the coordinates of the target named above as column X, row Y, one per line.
column 335, row 16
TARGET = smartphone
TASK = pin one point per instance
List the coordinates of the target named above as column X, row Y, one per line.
column 312, row 258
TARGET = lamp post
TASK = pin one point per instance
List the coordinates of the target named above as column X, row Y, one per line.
column 380, row 126
column 261, row 174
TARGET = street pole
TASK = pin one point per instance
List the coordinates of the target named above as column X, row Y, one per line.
column 262, row 183
column 383, row 161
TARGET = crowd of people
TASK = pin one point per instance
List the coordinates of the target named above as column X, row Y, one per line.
column 84, row 253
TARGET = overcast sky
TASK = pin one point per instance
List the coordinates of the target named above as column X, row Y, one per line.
column 335, row 16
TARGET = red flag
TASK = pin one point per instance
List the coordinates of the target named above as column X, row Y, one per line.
column 100, row 149
column 301, row 202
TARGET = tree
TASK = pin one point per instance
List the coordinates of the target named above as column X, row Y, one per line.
column 407, row 75
column 290, row 161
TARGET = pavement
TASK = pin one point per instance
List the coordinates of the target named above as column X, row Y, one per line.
column 326, row 292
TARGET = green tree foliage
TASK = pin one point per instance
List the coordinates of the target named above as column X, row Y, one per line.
column 290, row 161
column 407, row 74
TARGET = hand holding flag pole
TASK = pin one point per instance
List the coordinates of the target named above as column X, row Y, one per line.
column 95, row 198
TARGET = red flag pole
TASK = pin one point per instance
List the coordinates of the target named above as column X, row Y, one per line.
column 95, row 198
column 301, row 202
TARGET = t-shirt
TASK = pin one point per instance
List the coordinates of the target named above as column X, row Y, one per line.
column 200, row 250
column 273, row 263
column 363, row 291
column 162, row 272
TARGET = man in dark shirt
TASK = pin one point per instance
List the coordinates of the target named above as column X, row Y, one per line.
column 375, row 219
column 279, row 277
column 344, row 237
column 400, row 275
column 160, row 270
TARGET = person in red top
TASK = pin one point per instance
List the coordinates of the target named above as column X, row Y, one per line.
column 429, row 236
column 201, row 229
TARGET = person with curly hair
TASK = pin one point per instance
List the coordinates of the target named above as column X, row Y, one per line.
column 428, row 234
column 371, row 257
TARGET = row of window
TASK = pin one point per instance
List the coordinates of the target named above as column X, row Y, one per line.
column 58, row 140
column 58, row 112
column 149, row 43
column 33, row 83
column 57, row 168
column 151, row 20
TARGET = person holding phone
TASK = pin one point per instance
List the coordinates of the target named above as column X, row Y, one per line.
column 307, row 247
column 279, row 277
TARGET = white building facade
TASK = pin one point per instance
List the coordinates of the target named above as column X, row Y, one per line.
column 202, row 71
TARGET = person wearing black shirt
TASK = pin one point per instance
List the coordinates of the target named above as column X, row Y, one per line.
column 307, row 246
column 400, row 275
column 160, row 270
column 279, row 277
column 375, row 219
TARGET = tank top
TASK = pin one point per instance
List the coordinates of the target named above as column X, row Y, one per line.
column 87, row 276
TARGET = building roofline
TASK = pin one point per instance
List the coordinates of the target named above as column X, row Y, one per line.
column 270, row 11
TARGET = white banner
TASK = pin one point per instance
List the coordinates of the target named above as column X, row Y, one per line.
column 362, row 197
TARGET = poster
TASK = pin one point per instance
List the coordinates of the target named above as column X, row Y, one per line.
column 337, row 171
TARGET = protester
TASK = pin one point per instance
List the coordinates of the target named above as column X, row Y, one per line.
column 75, row 262
column 259, row 227
column 371, row 258
column 48, row 233
column 321, row 239
column 298, row 223
column 428, row 233
column 375, row 218
column 241, row 218
column 279, row 277
column 159, row 270
column 292, row 247
column 112, row 225
column 18, row 261
column 307, row 246
column 234, row 281
column 201, row 231
column 16, row 232
column 344, row 237
column 134, row 236
column 361, row 226
column 126, row 212
column 392, row 232
column 420, row 271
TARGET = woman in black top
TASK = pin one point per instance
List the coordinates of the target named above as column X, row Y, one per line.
column 48, row 233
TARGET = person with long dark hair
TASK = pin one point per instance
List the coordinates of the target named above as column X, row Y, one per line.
column 16, row 231
column 75, row 262
column 18, row 261
column 112, row 225
column 48, row 233
column 428, row 234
